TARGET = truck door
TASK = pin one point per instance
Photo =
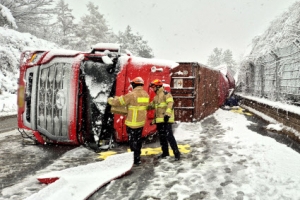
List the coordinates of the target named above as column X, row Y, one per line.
column 183, row 91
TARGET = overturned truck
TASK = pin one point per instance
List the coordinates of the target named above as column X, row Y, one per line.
column 62, row 94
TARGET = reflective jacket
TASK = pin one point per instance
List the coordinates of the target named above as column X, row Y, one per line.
column 163, row 105
column 136, row 102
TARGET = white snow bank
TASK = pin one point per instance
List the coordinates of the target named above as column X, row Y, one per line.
column 8, row 104
column 86, row 178
column 274, row 104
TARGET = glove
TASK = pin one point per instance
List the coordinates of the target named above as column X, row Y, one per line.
column 109, row 100
column 166, row 118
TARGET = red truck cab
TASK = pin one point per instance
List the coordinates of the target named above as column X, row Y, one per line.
column 62, row 94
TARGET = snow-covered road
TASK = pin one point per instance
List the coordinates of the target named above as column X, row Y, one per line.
column 225, row 156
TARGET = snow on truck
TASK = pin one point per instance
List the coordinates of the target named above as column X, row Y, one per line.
column 62, row 94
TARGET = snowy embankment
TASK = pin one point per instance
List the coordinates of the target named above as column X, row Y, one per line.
column 12, row 43
column 8, row 104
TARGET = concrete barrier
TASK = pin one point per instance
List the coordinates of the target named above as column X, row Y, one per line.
column 289, row 119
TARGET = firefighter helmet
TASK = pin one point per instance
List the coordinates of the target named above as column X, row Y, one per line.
column 156, row 82
column 137, row 80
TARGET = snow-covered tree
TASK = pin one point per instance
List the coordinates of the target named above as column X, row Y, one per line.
column 227, row 58
column 30, row 15
column 216, row 58
column 92, row 28
column 62, row 30
column 134, row 43
column 220, row 57
column 6, row 18
column 282, row 32
column 64, row 17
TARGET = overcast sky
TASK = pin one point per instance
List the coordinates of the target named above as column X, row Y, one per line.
column 189, row 30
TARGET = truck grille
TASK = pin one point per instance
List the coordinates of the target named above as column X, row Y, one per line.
column 53, row 94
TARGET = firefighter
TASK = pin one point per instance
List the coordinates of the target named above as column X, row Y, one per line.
column 164, row 118
column 136, row 103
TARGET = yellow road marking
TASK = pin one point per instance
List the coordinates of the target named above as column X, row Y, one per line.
column 105, row 154
column 148, row 151
column 240, row 111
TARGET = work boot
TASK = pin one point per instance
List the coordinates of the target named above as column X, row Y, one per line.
column 177, row 156
column 137, row 161
column 162, row 156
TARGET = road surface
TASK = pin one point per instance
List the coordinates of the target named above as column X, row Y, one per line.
column 20, row 159
column 8, row 123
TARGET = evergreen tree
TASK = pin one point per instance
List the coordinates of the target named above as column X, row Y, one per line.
column 134, row 43
column 92, row 29
column 64, row 25
column 227, row 58
column 30, row 15
column 216, row 58
column 6, row 18
column 64, row 17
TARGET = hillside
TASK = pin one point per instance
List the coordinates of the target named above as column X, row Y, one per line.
column 12, row 43
column 282, row 32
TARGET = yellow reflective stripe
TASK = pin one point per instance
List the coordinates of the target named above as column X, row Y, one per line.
column 161, row 105
column 121, row 99
column 129, row 123
column 143, row 100
column 134, row 115
column 160, row 120
column 137, row 107
column 170, row 99
column 169, row 110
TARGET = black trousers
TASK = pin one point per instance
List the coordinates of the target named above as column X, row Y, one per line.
column 135, row 141
column 166, row 136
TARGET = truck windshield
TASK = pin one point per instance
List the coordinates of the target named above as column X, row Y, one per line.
column 99, row 83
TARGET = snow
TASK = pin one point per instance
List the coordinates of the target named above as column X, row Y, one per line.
column 274, row 104
column 8, row 104
column 12, row 43
column 56, row 52
column 222, row 68
column 79, row 178
column 275, row 125
column 226, row 160
column 250, row 164
column 138, row 61
column 110, row 46
column 5, row 12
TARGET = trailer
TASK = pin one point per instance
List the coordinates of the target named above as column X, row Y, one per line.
column 62, row 94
